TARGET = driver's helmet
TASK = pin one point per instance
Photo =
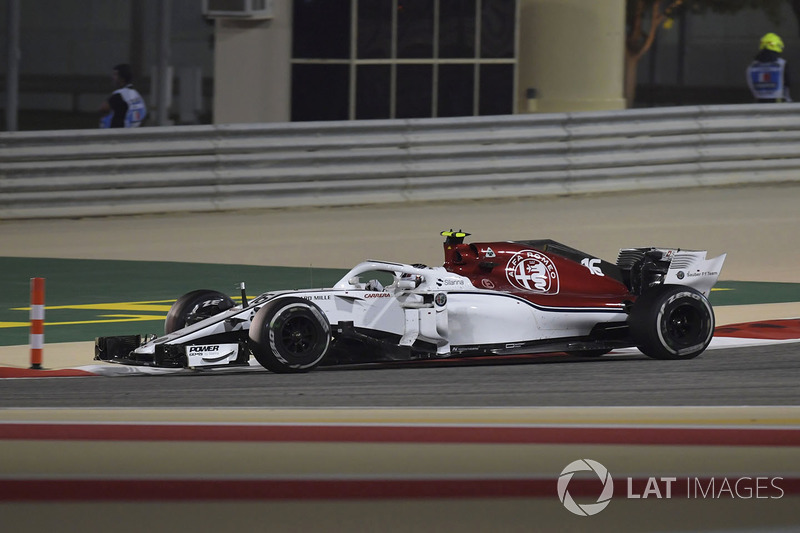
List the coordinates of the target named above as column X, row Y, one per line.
column 415, row 277
column 374, row 285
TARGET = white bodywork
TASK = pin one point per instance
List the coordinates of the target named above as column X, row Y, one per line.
column 433, row 305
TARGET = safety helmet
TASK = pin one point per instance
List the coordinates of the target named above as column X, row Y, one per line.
column 772, row 42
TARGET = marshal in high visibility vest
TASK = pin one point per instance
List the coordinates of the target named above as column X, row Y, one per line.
column 767, row 75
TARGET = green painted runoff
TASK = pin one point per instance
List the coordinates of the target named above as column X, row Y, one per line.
column 91, row 298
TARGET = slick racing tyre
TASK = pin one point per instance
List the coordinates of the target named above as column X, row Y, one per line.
column 289, row 335
column 672, row 322
column 195, row 306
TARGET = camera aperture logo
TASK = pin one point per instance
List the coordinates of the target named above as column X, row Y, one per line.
column 664, row 487
column 588, row 509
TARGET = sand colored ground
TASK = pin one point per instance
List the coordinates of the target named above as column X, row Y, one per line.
column 756, row 226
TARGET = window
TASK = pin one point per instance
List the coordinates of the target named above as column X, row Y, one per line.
column 497, row 28
column 414, row 91
column 456, row 28
column 375, row 29
column 456, row 90
column 497, row 90
column 319, row 92
column 414, row 28
column 321, row 29
column 375, row 59
column 373, row 87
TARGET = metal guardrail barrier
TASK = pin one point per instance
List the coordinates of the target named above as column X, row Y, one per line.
column 170, row 169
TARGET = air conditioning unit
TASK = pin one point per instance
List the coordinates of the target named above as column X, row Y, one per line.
column 239, row 9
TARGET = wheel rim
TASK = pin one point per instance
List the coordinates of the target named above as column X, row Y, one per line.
column 684, row 326
column 298, row 335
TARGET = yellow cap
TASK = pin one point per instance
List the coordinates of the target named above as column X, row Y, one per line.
column 772, row 42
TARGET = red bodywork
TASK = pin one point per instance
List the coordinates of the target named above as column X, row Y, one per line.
column 544, row 272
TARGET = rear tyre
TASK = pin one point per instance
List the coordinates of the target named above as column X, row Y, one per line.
column 195, row 306
column 289, row 335
column 672, row 322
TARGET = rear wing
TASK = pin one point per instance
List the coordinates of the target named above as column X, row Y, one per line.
column 672, row 266
column 691, row 268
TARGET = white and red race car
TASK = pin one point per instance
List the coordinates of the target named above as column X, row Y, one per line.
column 488, row 298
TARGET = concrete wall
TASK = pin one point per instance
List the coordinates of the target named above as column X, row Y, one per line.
column 252, row 68
column 572, row 53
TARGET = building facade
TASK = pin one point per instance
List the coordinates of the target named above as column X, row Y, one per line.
column 376, row 59
column 379, row 59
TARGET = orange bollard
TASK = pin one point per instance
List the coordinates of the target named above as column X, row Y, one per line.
column 37, row 322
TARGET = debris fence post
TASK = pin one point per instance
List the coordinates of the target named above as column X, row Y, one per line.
column 37, row 322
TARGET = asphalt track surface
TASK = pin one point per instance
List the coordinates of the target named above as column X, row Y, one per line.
column 738, row 376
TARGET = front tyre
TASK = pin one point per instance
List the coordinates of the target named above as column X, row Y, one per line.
column 196, row 306
column 289, row 335
column 672, row 322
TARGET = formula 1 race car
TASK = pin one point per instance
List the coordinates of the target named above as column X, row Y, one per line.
column 488, row 298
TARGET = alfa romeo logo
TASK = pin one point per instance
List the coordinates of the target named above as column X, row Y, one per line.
column 532, row 270
column 582, row 465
